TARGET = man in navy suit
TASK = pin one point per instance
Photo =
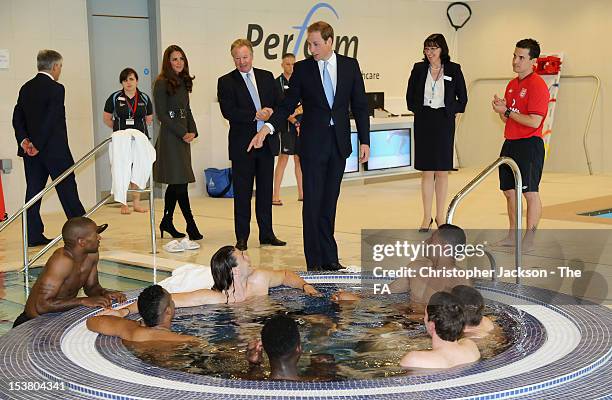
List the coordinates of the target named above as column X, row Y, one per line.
column 326, row 84
column 247, row 97
column 39, row 120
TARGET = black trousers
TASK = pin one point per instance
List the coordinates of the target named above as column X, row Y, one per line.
column 258, row 167
column 38, row 169
column 321, row 176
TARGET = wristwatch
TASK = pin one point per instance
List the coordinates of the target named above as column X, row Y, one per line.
column 507, row 113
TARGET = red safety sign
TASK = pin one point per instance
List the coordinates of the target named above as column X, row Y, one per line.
column 550, row 65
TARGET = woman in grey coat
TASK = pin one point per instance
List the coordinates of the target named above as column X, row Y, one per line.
column 178, row 129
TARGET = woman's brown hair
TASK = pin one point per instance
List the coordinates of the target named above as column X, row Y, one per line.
column 168, row 74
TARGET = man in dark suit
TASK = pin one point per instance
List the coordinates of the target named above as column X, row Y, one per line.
column 39, row 121
column 327, row 84
column 247, row 97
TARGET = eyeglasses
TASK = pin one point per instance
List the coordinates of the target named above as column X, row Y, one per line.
column 430, row 49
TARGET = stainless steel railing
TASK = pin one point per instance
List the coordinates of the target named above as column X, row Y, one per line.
column 27, row 262
column 518, row 187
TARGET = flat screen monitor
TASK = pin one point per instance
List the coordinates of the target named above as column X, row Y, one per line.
column 375, row 100
column 389, row 149
column 352, row 162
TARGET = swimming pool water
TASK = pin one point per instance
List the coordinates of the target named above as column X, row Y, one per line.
column 354, row 341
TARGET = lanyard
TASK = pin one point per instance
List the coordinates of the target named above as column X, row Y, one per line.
column 433, row 85
column 130, row 107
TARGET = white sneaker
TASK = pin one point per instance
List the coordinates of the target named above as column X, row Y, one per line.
column 174, row 247
column 187, row 244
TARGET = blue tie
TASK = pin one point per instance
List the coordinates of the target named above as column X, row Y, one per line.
column 254, row 97
column 328, row 87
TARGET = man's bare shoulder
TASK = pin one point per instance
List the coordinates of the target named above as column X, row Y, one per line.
column 423, row 359
column 421, row 262
column 261, row 276
column 59, row 262
column 146, row 334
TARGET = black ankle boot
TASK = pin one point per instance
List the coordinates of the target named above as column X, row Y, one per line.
column 166, row 225
column 192, row 230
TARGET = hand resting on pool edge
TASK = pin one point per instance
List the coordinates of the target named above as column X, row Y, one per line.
column 156, row 308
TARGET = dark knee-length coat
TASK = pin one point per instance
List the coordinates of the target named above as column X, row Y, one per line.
column 173, row 163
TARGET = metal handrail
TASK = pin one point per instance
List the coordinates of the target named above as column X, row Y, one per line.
column 587, row 127
column 518, row 187
column 24, row 215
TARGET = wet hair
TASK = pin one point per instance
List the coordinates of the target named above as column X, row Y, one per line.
column 288, row 55
column 168, row 74
column 221, row 265
column 125, row 74
column 532, row 45
column 437, row 40
column 451, row 234
column 75, row 229
column 280, row 337
column 324, row 28
column 472, row 302
column 241, row 43
column 46, row 59
column 152, row 302
column 446, row 312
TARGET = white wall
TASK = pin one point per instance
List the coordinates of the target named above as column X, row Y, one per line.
column 27, row 26
column 390, row 40
column 579, row 29
column 391, row 33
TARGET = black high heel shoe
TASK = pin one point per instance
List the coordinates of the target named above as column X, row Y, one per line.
column 193, row 232
column 438, row 223
column 424, row 230
column 166, row 225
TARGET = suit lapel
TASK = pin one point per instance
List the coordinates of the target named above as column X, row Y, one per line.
column 260, row 89
column 317, row 72
column 340, row 73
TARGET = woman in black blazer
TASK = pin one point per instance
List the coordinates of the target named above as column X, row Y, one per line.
column 436, row 93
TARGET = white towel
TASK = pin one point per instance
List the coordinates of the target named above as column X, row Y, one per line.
column 188, row 278
column 131, row 157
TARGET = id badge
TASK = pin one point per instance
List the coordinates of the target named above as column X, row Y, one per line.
column 129, row 121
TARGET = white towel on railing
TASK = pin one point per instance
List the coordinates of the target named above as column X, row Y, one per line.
column 131, row 157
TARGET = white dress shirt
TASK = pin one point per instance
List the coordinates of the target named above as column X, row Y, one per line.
column 252, row 77
column 434, row 90
column 332, row 69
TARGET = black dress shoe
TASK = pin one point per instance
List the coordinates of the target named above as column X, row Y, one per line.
column 241, row 244
column 272, row 241
column 332, row 267
column 314, row 269
column 42, row 241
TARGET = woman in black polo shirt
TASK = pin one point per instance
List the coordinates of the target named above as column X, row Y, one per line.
column 129, row 108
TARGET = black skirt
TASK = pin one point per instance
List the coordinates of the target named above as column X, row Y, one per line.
column 434, row 137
